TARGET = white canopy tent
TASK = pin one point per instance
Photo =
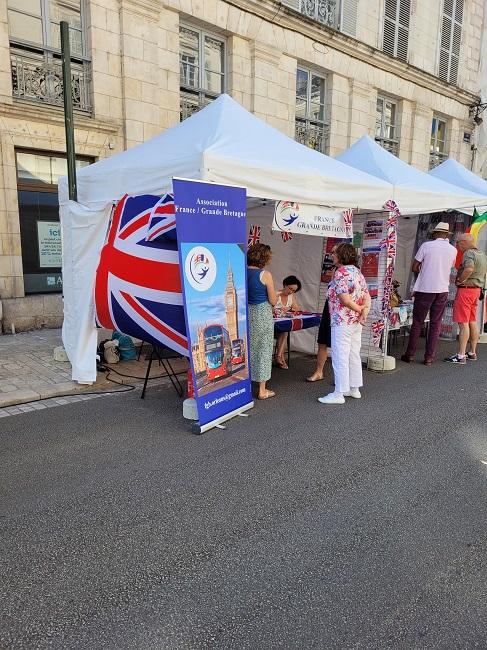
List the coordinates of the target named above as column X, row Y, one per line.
column 453, row 172
column 415, row 192
column 222, row 143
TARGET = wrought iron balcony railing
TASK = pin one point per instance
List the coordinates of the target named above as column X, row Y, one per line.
column 323, row 11
column 311, row 134
column 38, row 78
column 190, row 103
column 389, row 145
column 436, row 158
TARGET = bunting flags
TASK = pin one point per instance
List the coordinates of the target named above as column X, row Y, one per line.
column 390, row 244
column 254, row 236
column 348, row 220
column 377, row 329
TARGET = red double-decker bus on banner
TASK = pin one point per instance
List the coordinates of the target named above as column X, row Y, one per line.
column 238, row 354
column 218, row 352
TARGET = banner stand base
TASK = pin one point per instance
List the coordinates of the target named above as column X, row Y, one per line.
column 190, row 412
column 227, row 416
column 382, row 364
column 195, row 428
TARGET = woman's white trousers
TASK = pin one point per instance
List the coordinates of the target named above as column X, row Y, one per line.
column 345, row 355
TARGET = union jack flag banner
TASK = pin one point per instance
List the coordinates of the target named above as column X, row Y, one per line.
column 254, row 236
column 348, row 220
column 138, row 284
column 162, row 221
column 286, row 236
column 377, row 329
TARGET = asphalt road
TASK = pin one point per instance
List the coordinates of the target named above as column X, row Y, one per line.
column 301, row 526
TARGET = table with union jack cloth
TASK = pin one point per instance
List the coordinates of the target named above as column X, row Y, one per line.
column 301, row 321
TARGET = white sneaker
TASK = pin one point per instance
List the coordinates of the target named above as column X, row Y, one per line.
column 332, row 398
column 353, row 392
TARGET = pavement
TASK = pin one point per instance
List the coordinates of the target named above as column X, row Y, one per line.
column 301, row 526
column 29, row 372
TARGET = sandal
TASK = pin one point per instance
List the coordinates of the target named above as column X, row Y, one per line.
column 268, row 394
column 281, row 363
column 313, row 378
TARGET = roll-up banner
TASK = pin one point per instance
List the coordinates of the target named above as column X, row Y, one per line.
column 212, row 238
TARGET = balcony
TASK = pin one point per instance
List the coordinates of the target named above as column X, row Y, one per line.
column 436, row 158
column 38, row 78
column 392, row 146
column 192, row 102
column 313, row 135
column 326, row 12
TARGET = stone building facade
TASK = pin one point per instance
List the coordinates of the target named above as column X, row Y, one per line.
column 323, row 71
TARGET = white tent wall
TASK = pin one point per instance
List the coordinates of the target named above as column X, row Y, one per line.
column 406, row 238
column 83, row 231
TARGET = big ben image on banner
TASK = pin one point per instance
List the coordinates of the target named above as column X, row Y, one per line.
column 231, row 306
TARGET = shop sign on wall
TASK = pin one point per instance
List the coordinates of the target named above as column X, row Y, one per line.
column 49, row 242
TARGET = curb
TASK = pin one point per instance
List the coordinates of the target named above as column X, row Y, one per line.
column 68, row 389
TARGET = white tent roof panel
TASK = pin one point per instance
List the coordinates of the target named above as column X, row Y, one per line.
column 224, row 143
column 415, row 192
column 453, row 172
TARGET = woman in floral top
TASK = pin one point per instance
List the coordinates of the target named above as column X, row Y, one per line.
column 349, row 304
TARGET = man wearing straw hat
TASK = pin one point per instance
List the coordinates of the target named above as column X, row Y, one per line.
column 433, row 263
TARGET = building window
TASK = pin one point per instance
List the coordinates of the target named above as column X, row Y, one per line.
column 438, row 151
column 386, row 131
column 35, row 51
column 310, row 128
column 40, row 230
column 337, row 14
column 396, row 28
column 201, row 69
column 450, row 41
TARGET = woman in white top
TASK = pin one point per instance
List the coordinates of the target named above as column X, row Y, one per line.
column 286, row 304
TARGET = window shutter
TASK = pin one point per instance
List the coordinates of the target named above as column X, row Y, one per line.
column 292, row 4
column 396, row 28
column 403, row 29
column 348, row 22
column 389, row 43
column 451, row 40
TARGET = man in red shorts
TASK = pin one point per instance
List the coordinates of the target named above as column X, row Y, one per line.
column 470, row 281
